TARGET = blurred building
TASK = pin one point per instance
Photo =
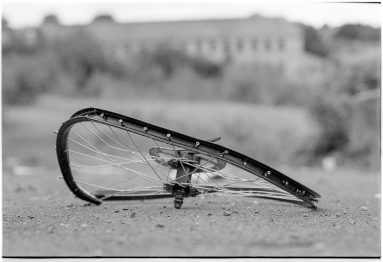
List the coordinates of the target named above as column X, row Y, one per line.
column 265, row 40
column 257, row 39
column 236, row 40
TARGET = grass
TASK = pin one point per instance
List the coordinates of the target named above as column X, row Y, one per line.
column 270, row 134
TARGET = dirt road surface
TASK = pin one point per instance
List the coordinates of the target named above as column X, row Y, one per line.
column 42, row 218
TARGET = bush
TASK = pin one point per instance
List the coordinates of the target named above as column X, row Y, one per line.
column 26, row 76
column 314, row 42
column 28, row 41
column 332, row 116
column 81, row 56
column 358, row 32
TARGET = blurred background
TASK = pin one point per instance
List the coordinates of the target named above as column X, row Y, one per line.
column 289, row 88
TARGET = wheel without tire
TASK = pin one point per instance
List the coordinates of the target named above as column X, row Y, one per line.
column 108, row 156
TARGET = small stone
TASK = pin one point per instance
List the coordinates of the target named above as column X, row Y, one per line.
column 50, row 230
column 120, row 240
column 164, row 206
column 319, row 246
column 116, row 211
column 125, row 209
column 99, row 252
column 109, row 221
column 133, row 215
column 352, row 222
column 209, row 215
column 226, row 213
column 70, row 205
column 337, row 215
column 364, row 208
column 31, row 217
column 160, row 226
column 305, row 215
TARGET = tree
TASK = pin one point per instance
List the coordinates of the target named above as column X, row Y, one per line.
column 51, row 19
column 314, row 43
column 358, row 32
column 4, row 23
column 103, row 18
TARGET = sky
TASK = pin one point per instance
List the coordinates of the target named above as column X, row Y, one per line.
column 26, row 13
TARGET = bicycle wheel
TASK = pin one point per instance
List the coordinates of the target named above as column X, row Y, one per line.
column 108, row 156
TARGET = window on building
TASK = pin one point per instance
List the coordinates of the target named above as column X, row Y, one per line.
column 254, row 44
column 198, row 45
column 281, row 44
column 213, row 44
column 226, row 45
column 128, row 47
column 240, row 45
column 267, row 44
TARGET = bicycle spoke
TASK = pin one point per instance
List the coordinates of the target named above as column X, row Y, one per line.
column 110, row 159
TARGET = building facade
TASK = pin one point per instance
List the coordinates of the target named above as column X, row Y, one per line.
column 256, row 39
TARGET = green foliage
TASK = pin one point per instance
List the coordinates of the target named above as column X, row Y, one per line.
column 51, row 19
column 81, row 56
column 103, row 18
column 358, row 32
column 23, row 41
column 331, row 115
column 24, row 77
column 170, row 61
column 314, row 42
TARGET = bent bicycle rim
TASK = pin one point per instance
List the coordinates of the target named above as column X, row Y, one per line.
column 107, row 156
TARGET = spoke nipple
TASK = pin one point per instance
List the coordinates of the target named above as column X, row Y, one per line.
column 146, row 129
column 244, row 163
column 102, row 115
column 224, row 153
column 168, row 136
column 268, row 173
column 55, row 132
column 197, row 144
column 86, row 115
column 121, row 122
